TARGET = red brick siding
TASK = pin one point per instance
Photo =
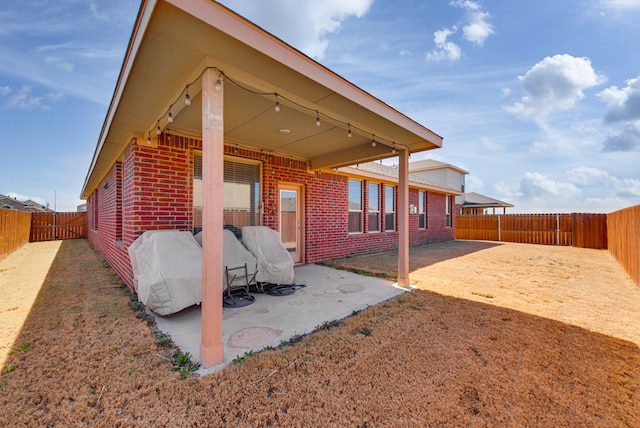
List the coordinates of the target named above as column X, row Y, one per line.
column 156, row 193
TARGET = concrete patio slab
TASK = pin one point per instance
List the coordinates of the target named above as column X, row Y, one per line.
column 330, row 294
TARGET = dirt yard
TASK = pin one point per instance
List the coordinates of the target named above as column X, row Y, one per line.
column 495, row 335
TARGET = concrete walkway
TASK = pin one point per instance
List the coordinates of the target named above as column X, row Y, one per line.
column 329, row 295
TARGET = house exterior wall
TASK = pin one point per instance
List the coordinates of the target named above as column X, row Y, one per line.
column 152, row 188
column 444, row 177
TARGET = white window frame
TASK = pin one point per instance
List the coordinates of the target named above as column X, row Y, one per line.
column 422, row 209
column 355, row 211
column 390, row 213
column 375, row 210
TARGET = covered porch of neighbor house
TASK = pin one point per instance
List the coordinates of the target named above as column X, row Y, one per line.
column 195, row 69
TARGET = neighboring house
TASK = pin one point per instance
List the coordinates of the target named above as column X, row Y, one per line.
column 477, row 204
column 444, row 175
column 215, row 122
column 28, row 205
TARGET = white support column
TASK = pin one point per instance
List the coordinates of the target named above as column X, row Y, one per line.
column 403, row 219
column 211, row 347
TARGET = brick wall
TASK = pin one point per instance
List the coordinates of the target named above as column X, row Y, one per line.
column 152, row 189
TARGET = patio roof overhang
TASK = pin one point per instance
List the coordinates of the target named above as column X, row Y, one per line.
column 175, row 41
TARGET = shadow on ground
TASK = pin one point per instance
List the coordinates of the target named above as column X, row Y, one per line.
column 385, row 264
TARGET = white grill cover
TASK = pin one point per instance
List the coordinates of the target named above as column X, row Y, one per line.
column 167, row 270
column 275, row 265
column 235, row 255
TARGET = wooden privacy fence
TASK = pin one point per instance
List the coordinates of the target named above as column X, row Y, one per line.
column 14, row 230
column 54, row 226
column 624, row 239
column 578, row 230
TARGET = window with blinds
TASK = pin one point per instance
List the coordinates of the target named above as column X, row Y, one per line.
column 422, row 213
column 241, row 205
column 389, row 208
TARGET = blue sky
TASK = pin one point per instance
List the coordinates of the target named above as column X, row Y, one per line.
column 539, row 101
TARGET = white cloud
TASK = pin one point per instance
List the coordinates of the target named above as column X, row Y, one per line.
column 62, row 64
column 624, row 104
column 587, row 175
column 303, row 24
column 97, row 14
column 5, row 90
column 538, row 193
column 22, row 99
column 489, row 145
column 619, row 187
column 478, row 30
column 444, row 50
column 538, row 186
column 554, row 84
column 466, row 4
column 621, row 4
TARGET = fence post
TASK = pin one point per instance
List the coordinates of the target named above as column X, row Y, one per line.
column 499, row 237
column 557, row 229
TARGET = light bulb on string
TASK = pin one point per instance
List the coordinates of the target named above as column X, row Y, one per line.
column 393, row 150
column 148, row 137
column 349, row 131
column 277, row 106
column 218, row 84
column 170, row 116
column 318, row 123
column 373, row 143
column 158, row 130
column 187, row 97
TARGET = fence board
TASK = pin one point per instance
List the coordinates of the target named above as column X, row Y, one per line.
column 14, row 230
column 54, row 226
column 581, row 230
column 623, row 232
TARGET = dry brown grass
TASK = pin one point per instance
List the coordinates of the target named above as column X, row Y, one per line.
column 423, row 359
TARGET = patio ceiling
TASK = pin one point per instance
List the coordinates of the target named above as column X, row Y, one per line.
column 174, row 41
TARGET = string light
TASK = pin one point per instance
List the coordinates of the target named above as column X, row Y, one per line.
column 187, row 98
column 393, row 150
column 277, row 106
column 158, row 130
column 148, row 137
